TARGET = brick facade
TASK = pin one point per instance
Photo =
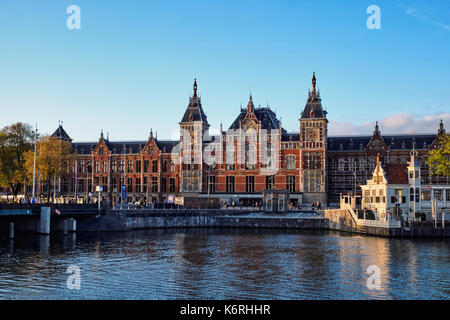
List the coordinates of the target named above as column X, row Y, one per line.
column 312, row 165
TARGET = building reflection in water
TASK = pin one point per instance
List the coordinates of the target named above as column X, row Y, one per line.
column 356, row 255
column 44, row 243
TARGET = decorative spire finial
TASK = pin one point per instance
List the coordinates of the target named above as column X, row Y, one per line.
column 151, row 132
column 314, row 84
column 250, row 106
column 195, row 88
column 441, row 128
column 377, row 130
column 101, row 135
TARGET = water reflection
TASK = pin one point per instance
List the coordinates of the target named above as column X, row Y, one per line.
column 222, row 264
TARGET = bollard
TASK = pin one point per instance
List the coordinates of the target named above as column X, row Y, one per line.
column 45, row 220
column 11, row 230
column 65, row 227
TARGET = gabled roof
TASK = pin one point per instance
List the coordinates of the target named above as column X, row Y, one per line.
column 84, row 148
column 313, row 107
column 397, row 173
column 265, row 116
column 290, row 136
column 61, row 133
column 194, row 111
column 131, row 147
column 394, row 142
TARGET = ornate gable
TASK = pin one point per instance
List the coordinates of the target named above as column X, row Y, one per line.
column 436, row 142
column 151, row 146
column 377, row 142
column 102, row 145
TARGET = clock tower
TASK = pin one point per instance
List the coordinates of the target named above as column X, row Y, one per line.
column 313, row 147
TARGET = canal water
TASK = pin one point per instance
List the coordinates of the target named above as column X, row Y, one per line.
column 223, row 264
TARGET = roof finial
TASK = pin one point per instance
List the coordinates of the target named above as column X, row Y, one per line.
column 195, row 88
column 250, row 105
column 151, row 132
column 377, row 130
column 101, row 135
column 314, row 84
column 441, row 128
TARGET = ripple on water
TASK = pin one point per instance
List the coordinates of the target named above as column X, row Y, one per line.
column 226, row 264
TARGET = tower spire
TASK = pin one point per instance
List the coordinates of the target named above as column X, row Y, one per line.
column 314, row 84
column 195, row 88
column 441, row 128
column 250, row 106
column 377, row 130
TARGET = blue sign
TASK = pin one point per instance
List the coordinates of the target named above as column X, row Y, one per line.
column 124, row 192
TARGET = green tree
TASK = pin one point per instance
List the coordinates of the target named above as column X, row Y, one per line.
column 439, row 159
column 52, row 160
column 15, row 141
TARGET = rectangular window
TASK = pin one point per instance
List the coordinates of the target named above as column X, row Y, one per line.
column 230, row 184
column 154, row 184
column 130, row 185
column 80, row 185
column 290, row 183
column 105, row 166
column 138, row 184
column 270, row 182
column 113, row 166
column 290, row 162
column 81, row 166
column 426, row 195
column 163, row 185
column 97, row 166
column 114, row 185
column 250, row 184
column 172, row 185
column 121, row 166
column 105, row 184
column 130, row 166
column 164, row 165
column 138, row 166
column 145, row 185
column 211, row 184
column 146, row 165
column 155, row 166
column 438, row 194
column 341, row 164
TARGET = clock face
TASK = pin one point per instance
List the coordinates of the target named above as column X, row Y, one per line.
column 312, row 134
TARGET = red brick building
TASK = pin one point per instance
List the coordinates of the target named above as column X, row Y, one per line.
column 254, row 154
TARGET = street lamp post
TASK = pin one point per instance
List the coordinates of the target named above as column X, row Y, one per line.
column 34, row 166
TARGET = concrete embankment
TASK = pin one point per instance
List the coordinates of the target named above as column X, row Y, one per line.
column 118, row 220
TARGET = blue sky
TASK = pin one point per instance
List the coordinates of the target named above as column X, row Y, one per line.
column 131, row 66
